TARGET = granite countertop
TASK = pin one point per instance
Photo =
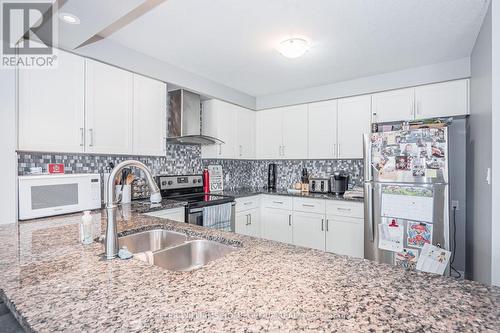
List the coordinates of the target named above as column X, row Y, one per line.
column 247, row 192
column 54, row 284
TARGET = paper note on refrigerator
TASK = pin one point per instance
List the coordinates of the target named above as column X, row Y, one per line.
column 390, row 235
column 433, row 259
column 407, row 202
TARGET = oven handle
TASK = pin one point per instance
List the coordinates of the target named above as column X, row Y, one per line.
column 200, row 209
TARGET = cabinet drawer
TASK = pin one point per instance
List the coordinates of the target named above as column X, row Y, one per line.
column 276, row 201
column 247, row 203
column 343, row 208
column 309, row 205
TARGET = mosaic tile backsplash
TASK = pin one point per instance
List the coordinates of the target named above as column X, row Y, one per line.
column 186, row 159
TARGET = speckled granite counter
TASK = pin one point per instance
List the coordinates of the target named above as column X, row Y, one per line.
column 54, row 284
column 247, row 192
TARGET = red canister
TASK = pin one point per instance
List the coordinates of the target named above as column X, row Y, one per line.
column 206, row 181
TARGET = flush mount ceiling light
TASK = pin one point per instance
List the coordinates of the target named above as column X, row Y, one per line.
column 293, row 47
column 69, row 18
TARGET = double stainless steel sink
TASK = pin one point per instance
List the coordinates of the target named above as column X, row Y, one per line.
column 173, row 250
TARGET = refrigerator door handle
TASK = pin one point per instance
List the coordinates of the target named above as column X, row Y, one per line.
column 367, row 158
column 369, row 211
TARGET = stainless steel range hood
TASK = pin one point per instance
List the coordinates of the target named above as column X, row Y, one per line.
column 184, row 119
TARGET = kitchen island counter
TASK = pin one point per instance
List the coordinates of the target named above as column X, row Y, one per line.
column 54, row 284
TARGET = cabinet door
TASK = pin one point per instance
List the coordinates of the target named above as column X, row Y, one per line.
column 309, row 230
column 277, row 225
column 322, row 130
column 269, row 134
column 51, row 106
column 241, row 222
column 344, row 235
column 354, row 117
column 150, row 117
column 294, row 132
column 109, row 107
column 253, row 227
column 442, row 99
column 245, row 133
column 394, row 105
column 219, row 121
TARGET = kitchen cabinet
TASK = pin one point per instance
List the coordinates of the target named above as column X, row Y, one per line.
column 277, row 225
column 51, row 106
column 354, row 119
column 294, row 132
column 309, row 230
column 174, row 214
column 269, row 133
column 109, row 104
column 245, row 133
column 149, row 116
column 442, row 99
column 344, row 235
column 394, row 105
column 248, row 222
column 282, row 132
column 322, row 130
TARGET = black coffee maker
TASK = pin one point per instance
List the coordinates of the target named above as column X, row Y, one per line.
column 271, row 176
column 339, row 182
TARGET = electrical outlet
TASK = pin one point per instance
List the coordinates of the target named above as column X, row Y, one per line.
column 454, row 203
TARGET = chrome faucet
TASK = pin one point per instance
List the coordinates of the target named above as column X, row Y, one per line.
column 111, row 244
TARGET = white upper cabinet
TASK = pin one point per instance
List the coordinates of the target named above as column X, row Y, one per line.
column 354, row 115
column 322, row 130
column 269, row 134
column 109, row 108
column 219, row 121
column 150, row 116
column 245, row 133
column 294, row 132
column 51, row 106
column 394, row 105
column 442, row 99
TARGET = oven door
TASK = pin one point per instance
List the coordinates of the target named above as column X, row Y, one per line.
column 195, row 216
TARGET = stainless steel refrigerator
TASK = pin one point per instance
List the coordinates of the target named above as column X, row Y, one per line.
column 406, row 194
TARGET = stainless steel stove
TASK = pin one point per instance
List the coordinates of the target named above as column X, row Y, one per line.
column 189, row 188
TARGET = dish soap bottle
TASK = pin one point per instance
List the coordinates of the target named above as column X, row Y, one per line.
column 86, row 228
column 305, row 181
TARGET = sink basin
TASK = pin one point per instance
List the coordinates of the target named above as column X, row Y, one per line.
column 151, row 240
column 191, row 255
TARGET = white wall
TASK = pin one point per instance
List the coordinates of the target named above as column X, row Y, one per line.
column 446, row 71
column 8, row 142
column 480, row 151
column 495, row 230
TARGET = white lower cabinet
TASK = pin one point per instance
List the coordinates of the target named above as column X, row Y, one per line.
column 248, row 222
column 344, row 235
column 277, row 225
column 309, row 230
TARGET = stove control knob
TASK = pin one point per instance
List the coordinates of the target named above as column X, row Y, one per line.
column 199, row 180
column 164, row 183
column 194, row 181
column 170, row 182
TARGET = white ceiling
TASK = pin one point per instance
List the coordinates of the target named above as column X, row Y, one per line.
column 233, row 42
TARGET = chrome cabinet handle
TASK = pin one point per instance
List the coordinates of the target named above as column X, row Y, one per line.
column 247, row 219
column 248, row 203
column 307, row 205
column 220, row 149
column 322, row 224
column 335, row 150
column 278, row 202
column 91, row 133
column 290, row 220
column 241, row 149
column 82, row 137
column 327, row 225
column 344, row 209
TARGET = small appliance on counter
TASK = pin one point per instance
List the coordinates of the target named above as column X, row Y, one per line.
column 319, row 185
column 49, row 195
column 271, row 176
column 305, row 181
column 339, row 182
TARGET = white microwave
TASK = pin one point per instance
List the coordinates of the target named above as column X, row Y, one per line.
column 48, row 195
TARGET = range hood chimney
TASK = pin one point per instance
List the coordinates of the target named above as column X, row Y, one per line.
column 184, row 120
